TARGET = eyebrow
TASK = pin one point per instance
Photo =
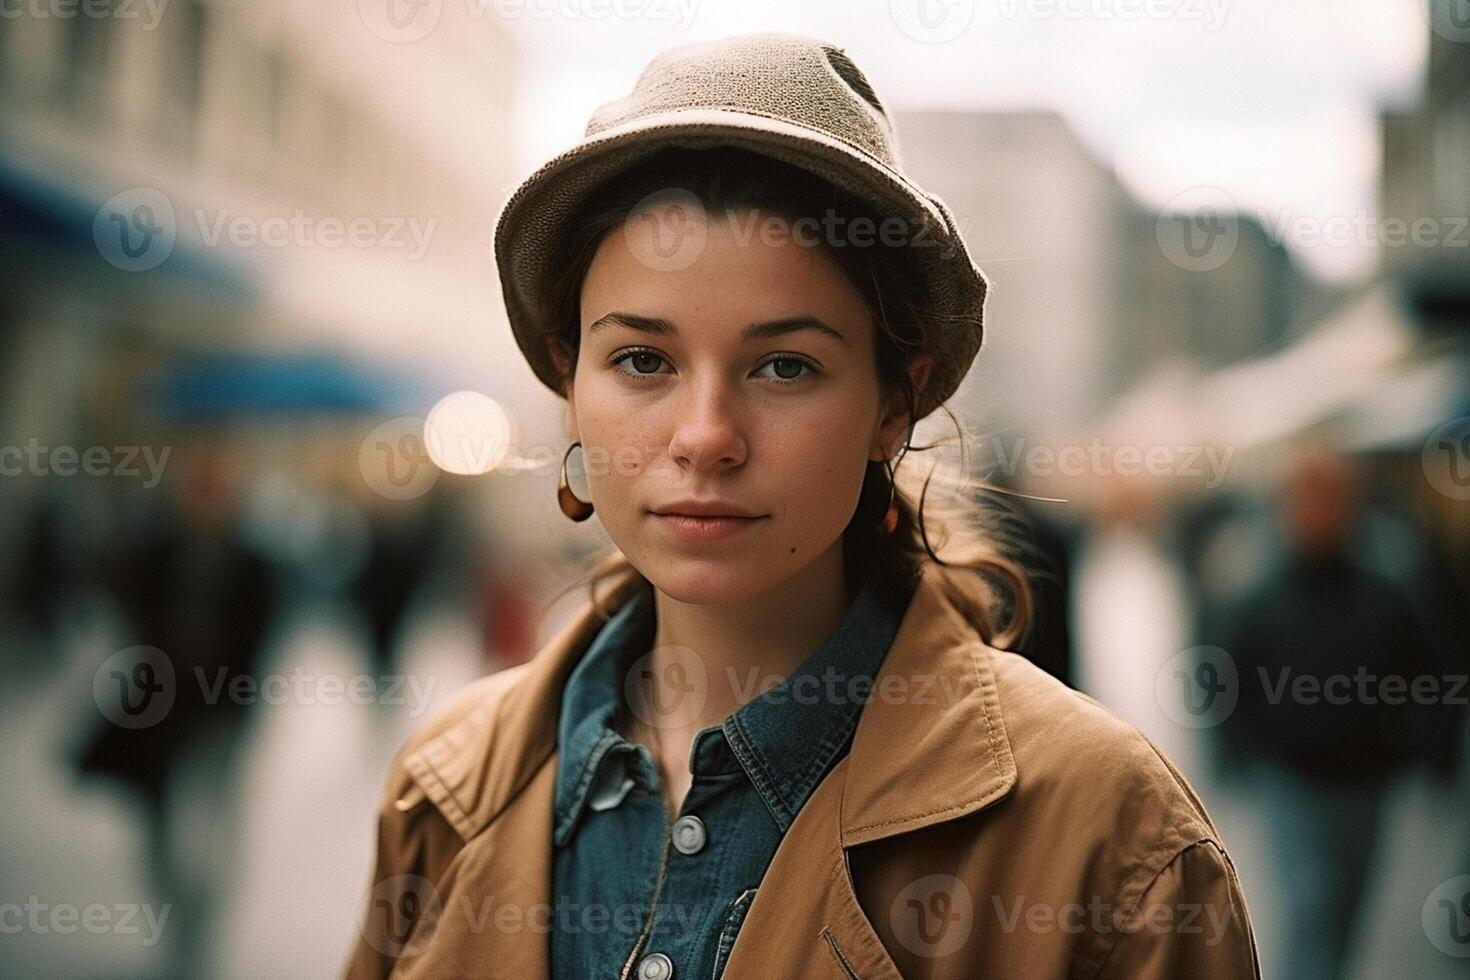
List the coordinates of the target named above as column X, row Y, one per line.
column 758, row 331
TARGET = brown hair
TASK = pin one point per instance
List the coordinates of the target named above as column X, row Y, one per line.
column 975, row 533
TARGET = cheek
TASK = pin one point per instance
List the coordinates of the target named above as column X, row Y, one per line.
column 617, row 448
column 819, row 469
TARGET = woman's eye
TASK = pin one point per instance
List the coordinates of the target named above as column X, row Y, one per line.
column 789, row 368
column 643, row 362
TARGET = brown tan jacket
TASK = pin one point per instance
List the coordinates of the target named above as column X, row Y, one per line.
column 988, row 822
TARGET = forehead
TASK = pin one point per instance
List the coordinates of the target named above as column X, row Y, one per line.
column 715, row 274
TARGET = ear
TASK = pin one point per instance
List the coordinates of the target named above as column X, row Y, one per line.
column 563, row 364
column 896, row 420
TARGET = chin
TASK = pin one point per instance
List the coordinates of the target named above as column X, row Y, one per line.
column 707, row 581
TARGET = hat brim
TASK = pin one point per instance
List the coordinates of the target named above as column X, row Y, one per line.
column 530, row 223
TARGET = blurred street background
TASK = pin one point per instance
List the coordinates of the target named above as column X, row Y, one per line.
column 275, row 481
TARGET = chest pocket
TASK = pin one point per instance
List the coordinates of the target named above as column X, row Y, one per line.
column 733, row 920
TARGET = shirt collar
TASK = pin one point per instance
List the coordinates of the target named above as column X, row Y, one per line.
column 785, row 739
column 593, row 694
column 788, row 737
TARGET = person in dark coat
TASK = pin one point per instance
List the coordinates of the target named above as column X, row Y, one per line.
column 1326, row 653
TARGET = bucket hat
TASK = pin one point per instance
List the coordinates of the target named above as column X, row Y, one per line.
column 793, row 98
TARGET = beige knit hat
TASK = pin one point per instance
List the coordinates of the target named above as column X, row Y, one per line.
column 792, row 98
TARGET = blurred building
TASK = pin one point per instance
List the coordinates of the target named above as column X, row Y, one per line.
column 192, row 175
column 1085, row 301
column 1041, row 217
column 1426, row 185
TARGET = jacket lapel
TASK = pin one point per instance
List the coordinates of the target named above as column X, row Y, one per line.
column 930, row 746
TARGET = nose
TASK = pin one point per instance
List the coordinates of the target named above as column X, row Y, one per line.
column 707, row 434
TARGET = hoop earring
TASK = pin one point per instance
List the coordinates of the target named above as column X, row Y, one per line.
column 571, row 505
column 890, row 516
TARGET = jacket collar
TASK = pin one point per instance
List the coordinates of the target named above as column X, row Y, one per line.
column 783, row 739
column 930, row 745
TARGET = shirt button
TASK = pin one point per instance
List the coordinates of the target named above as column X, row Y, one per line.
column 655, row 966
column 689, row 834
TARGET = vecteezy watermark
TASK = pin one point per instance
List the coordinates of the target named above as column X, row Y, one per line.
column 302, row 230
column 1450, row 19
column 1367, row 230
column 667, row 687
column 670, row 685
column 135, row 230
column 1198, row 687
column 37, row 460
column 932, row 21
column 119, row 919
column 1202, row 686
column 400, row 21
column 933, row 916
column 1445, row 917
column 406, row 21
column 1210, row 13
column 138, row 229
column 1446, row 459
column 1198, row 229
column 1098, row 915
column 134, row 688
column 669, row 229
column 395, row 460
column 1099, row 458
column 678, row 13
column 137, row 688
column 302, row 686
column 405, row 912
column 150, row 12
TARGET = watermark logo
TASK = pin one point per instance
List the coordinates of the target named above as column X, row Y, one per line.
column 679, row 13
column 400, row 21
column 667, row 687
column 1198, row 230
column 150, row 12
column 1446, row 459
column 135, row 688
column 301, row 230
column 933, row 916
column 125, row 461
column 122, row 919
column 401, row 916
column 667, row 230
column 932, row 21
column 1446, row 917
column 1450, row 19
column 1210, row 13
column 1208, row 920
column 136, row 229
column 395, row 459
column 1198, row 687
column 1197, row 461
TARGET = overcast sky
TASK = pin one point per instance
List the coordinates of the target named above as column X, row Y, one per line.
column 1274, row 101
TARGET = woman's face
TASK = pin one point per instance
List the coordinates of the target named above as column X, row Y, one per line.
column 746, row 376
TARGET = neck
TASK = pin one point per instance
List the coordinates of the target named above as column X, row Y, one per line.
column 742, row 648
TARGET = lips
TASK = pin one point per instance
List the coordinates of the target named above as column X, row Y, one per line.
column 702, row 529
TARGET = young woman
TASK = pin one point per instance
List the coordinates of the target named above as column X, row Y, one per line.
column 784, row 737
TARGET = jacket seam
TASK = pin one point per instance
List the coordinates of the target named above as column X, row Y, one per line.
column 1129, row 894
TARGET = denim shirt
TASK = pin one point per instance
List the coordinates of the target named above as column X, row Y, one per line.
column 627, row 879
